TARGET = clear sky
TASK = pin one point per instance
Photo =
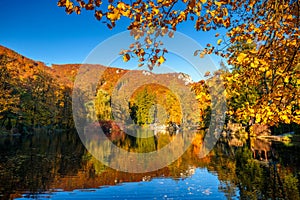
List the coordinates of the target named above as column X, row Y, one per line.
column 40, row 30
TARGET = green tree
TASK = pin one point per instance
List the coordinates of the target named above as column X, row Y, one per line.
column 143, row 107
column 103, row 105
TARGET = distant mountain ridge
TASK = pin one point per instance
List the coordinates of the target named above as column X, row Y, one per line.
column 66, row 73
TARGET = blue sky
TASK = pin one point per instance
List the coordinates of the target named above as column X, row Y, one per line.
column 40, row 30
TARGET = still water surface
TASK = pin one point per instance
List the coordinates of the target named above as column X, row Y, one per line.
column 57, row 166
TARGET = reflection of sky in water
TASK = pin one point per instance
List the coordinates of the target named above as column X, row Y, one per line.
column 201, row 185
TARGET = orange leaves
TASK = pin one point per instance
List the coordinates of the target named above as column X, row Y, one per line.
column 126, row 57
column 261, row 44
column 77, row 10
column 98, row 15
column 219, row 3
column 113, row 16
column 69, row 6
column 89, row 6
column 241, row 57
column 114, row 13
column 226, row 22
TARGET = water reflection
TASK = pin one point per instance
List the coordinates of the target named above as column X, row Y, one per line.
column 42, row 164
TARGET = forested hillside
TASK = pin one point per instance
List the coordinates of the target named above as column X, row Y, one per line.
column 34, row 95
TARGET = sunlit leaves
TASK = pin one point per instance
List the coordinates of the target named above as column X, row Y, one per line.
column 261, row 44
column 126, row 57
column 145, row 17
column 161, row 60
column 98, row 15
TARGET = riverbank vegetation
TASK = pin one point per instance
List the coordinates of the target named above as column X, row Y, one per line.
column 37, row 96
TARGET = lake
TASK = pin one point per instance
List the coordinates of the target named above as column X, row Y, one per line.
column 58, row 166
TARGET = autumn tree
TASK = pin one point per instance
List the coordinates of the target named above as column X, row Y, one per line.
column 9, row 94
column 103, row 105
column 143, row 107
column 62, row 112
column 38, row 100
column 268, row 68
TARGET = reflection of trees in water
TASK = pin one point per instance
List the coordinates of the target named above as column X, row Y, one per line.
column 32, row 163
column 42, row 162
column 239, row 171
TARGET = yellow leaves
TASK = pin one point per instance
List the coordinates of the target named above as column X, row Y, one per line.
column 257, row 30
column 263, row 62
column 241, row 57
column 255, row 63
column 249, row 41
column 261, row 69
column 269, row 113
column 287, row 79
column 61, row 104
column 203, row 97
column 155, row 10
column 268, row 74
column 182, row 16
column 126, row 57
column 251, row 112
column 126, row 13
column 289, row 17
column 212, row 13
column 69, row 4
column 219, row 4
column 292, row 43
column 285, row 118
column 202, row 54
column 219, row 41
column 258, row 118
column 121, row 6
column 161, row 60
column 114, row 15
column 225, row 11
column 203, row 1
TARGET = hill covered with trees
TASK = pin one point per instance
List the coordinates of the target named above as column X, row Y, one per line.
column 34, row 95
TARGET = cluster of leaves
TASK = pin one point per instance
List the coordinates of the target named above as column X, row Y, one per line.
column 264, row 54
column 204, row 99
column 261, row 43
column 149, row 20
column 264, row 93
